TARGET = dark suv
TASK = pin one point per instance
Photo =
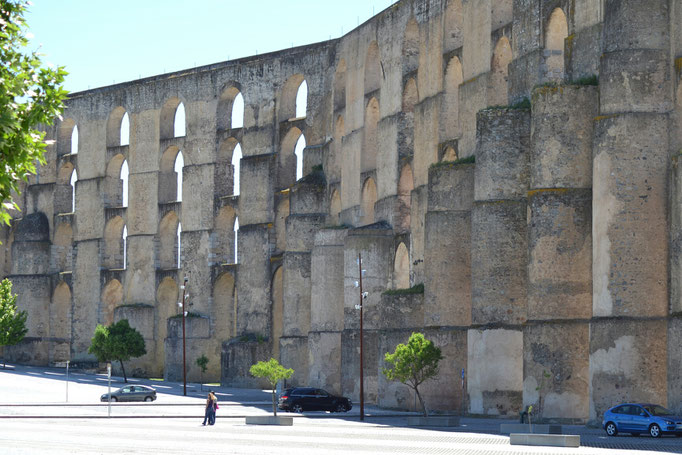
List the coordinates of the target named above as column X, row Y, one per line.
column 301, row 399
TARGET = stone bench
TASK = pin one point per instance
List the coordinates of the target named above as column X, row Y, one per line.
column 552, row 440
column 269, row 420
column 509, row 428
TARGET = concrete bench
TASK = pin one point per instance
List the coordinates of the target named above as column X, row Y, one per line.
column 269, row 420
column 509, row 428
column 552, row 440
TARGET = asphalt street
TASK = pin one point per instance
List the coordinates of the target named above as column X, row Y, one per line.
column 35, row 419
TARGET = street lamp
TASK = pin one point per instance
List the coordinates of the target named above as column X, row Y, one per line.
column 184, row 315
column 363, row 295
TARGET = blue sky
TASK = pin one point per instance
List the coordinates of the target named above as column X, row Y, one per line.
column 106, row 42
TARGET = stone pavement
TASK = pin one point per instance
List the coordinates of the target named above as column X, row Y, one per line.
column 34, row 419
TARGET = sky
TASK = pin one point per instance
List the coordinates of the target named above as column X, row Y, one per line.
column 103, row 42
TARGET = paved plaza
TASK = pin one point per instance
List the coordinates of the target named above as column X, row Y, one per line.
column 35, row 419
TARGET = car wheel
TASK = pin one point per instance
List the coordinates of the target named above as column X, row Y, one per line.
column 114, row 399
column 611, row 429
column 654, row 430
column 297, row 408
column 148, row 399
column 340, row 408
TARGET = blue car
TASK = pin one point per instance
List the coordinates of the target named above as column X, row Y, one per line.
column 637, row 418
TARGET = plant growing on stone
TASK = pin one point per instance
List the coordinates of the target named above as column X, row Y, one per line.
column 202, row 362
column 273, row 372
column 30, row 95
column 119, row 342
column 414, row 363
column 541, row 391
column 12, row 322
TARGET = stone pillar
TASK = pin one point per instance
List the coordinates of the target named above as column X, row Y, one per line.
column 630, row 220
column 560, row 252
column 499, row 259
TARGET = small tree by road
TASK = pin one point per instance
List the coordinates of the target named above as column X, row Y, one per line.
column 12, row 322
column 201, row 363
column 273, row 372
column 413, row 364
column 119, row 342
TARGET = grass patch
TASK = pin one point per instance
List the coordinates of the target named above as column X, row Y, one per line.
column 135, row 305
column 416, row 289
column 190, row 314
column 587, row 80
column 468, row 160
column 524, row 104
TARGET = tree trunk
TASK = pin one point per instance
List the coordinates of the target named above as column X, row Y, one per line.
column 421, row 401
column 125, row 379
column 274, row 405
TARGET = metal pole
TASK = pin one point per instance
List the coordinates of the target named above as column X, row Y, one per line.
column 67, row 381
column 362, row 378
column 109, row 381
column 184, row 365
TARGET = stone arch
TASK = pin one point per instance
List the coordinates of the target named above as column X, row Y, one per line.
column 498, row 89
column 401, row 268
column 64, row 192
column 369, row 199
column 449, row 119
column 298, row 152
column 230, row 103
column 72, row 184
column 115, row 192
column 227, row 167
column 116, row 127
column 111, row 297
column 370, row 140
column 373, row 68
column 287, row 161
column 287, row 107
column 224, row 235
column 168, row 177
column 340, row 85
column 410, row 58
column 236, row 240
column 60, row 323
column 405, row 187
column 453, row 26
column 112, row 254
column 335, row 208
column 410, row 95
column 65, row 135
column 225, row 308
column 555, row 36
column 277, row 297
column 168, row 244
column 450, row 154
column 62, row 246
column 302, row 100
column 167, row 118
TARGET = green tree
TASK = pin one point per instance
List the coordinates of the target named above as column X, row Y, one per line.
column 414, row 363
column 30, row 95
column 273, row 372
column 119, row 342
column 202, row 362
column 12, row 322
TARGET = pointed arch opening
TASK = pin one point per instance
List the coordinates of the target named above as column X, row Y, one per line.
column 169, row 253
column 111, row 297
column 555, row 37
column 302, row 100
column 168, row 119
column 224, row 235
column 236, row 240
column 178, row 169
column 410, row 95
column 288, row 106
column 449, row 126
column 288, row 160
column 179, row 123
column 231, row 108
column 114, row 244
column 60, row 323
column 401, row 268
column 236, row 169
column 179, row 245
column 65, row 136
column 298, row 152
column 405, row 187
column 72, row 182
column 168, row 176
column 63, row 247
column 74, row 140
column 369, row 199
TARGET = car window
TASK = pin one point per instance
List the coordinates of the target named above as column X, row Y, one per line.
column 323, row 393
column 636, row 410
column 618, row 410
column 126, row 389
column 657, row 410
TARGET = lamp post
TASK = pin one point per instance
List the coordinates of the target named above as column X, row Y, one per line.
column 184, row 315
column 359, row 307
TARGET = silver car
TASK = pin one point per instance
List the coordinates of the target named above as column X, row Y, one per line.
column 131, row 393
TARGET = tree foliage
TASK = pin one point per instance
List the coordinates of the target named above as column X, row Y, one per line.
column 202, row 362
column 30, row 95
column 12, row 322
column 414, row 363
column 273, row 372
column 119, row 342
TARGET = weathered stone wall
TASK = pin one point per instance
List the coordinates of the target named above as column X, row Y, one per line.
column 547, row 261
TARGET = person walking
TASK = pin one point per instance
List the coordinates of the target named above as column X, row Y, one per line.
column 209, row 409
column 212, row 407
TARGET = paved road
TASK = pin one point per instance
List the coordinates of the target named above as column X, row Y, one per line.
column 33, row 411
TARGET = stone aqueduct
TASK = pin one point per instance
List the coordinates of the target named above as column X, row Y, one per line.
column 557, row 250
